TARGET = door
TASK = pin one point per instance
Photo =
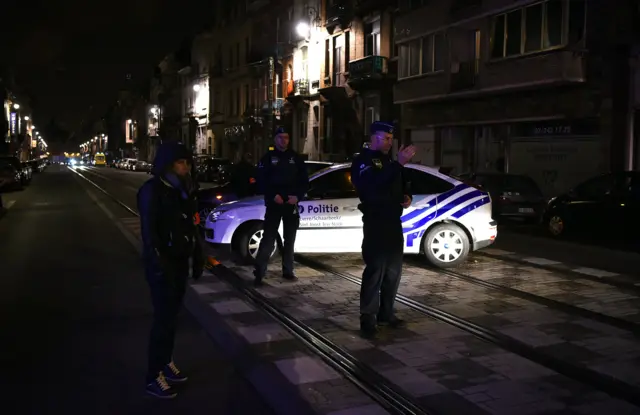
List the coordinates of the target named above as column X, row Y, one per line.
column 425, row 188
column 329, row 217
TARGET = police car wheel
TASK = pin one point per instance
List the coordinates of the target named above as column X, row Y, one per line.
column 446, row 245
column 249, row 242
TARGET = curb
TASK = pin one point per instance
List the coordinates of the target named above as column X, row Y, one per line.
column 594, row 274
column 273, row 387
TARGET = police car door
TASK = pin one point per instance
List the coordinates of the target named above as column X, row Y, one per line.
column 329, row 217
column 423, row 210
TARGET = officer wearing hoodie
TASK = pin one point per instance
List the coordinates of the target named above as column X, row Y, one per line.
column 383, row 188
column 171, row 251
column 284, row 181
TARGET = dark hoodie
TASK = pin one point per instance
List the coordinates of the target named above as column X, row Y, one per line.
column 168, row 208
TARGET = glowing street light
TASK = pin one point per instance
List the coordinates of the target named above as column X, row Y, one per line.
column 196, row 87
column 26, row 118
column 16, row 106
column 303, row 29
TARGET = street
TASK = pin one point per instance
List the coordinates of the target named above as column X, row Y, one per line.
column 526, row 332
column 75, row 314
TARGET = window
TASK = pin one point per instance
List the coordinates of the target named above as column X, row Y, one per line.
column 372, row 38
column 327, row 57
column 337, row 60
column 422, row 56
column 334, row 185
column 421, row 183
column 394, row 47
column 230, row 58
column 238, row 103
column 230, row 103
column 210, row 145
column 304, row 53
column 538, row 27
column 596, row 188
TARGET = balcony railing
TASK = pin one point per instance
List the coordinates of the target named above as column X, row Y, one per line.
column 277, row 103
column 370, row 67
column 465, row 77
column 338, row 13
column 301, row 87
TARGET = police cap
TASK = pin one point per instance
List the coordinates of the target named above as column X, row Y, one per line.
column 380, row 126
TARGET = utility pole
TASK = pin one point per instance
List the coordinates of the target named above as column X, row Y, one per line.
column 270, row 99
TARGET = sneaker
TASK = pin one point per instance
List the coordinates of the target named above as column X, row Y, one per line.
column 160, row 388
column 173, row 375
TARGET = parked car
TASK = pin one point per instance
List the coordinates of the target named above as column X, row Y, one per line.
column 604, row 206
column 25, row 174
column 143, row 166
column 212, row 197
column 447, row 218
column 513, row 195
column 209, row 169
column 10, row 178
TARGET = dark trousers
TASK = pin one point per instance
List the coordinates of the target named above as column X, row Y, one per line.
column 382, row 249
column 167, row 284
column 290, row 218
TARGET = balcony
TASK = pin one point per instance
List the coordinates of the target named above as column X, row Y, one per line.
column 523, row 72
column 368, row 70
column 301, row 87
column 340, row 13
column 364, row 7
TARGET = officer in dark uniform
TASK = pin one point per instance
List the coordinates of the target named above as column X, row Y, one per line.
column 383, row 190
column 284, row 181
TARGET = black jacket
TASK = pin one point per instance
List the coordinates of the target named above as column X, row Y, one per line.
column 282, row 173
column 168, row 214
column 381, row 184
column 241, row 179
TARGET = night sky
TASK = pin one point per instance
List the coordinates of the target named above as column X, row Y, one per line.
column 72, row 55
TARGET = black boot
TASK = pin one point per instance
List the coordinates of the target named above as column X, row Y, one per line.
column 368, row 327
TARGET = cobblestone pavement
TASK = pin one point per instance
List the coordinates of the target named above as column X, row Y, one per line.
column 445, row 368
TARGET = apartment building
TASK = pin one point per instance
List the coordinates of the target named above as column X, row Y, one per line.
column 526, row 87
column 343, row 72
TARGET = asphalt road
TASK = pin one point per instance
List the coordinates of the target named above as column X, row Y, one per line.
column 528, row 241
column 75, row 313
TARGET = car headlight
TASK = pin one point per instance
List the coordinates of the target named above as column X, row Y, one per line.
column 215, row 214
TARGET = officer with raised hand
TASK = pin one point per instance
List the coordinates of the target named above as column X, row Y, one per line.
column 382, row 186
column 283, row 179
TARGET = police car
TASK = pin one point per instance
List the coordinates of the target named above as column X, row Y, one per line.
column 447, row 218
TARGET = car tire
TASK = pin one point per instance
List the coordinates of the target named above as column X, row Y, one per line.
column 446, row 245
column 249, row 241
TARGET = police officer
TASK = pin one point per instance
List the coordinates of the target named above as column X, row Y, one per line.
column 382, row 186
column 284, row 181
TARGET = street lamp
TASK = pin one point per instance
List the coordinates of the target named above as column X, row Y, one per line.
column 303, row 29
column 196, row 87
column 16, row 106
column 26, row 118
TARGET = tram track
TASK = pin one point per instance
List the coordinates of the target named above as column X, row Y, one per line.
column 582, row 374
column 386, row 393
column 360, row 374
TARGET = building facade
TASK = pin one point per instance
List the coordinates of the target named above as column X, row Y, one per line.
column 529, row 87
column 344, row 68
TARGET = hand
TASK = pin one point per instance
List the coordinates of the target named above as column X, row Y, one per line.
column 292, row 200
column 278, row 199
column 407, row 201
column 405, row 153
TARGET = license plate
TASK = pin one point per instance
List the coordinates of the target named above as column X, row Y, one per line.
column 525, row 210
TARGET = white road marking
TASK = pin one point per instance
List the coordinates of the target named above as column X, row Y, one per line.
column 595, row 272
column 541, row 261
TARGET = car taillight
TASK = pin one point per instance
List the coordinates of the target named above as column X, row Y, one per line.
column 219, row 197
